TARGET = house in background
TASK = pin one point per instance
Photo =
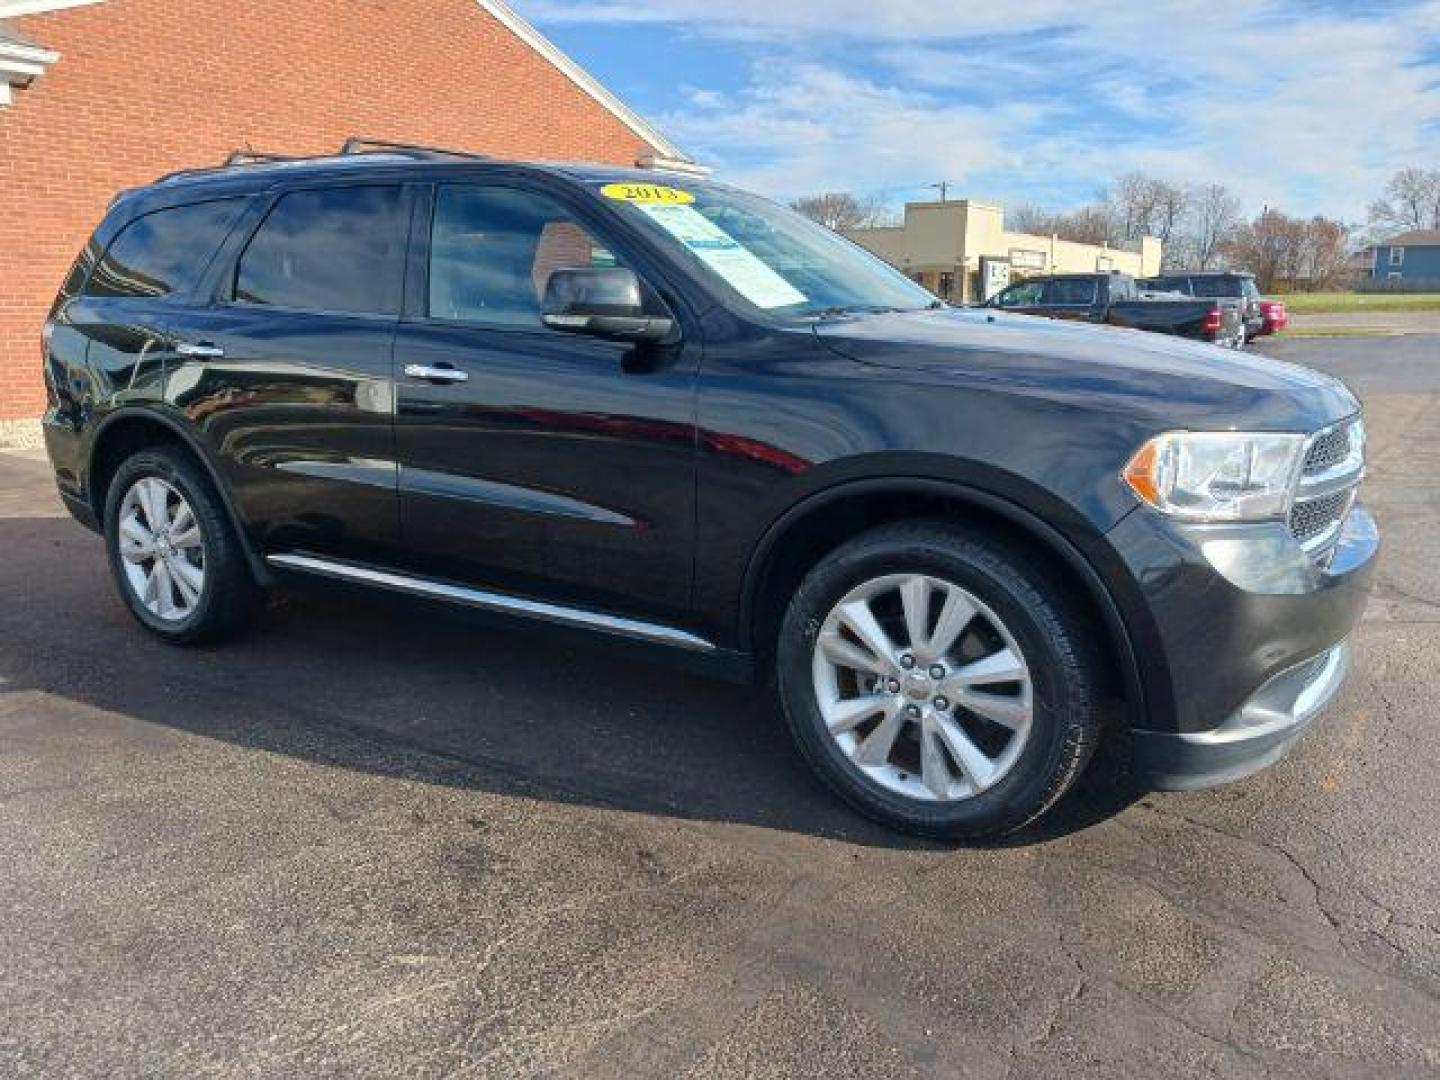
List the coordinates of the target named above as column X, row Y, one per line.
column 1412, row 258
column 100, row 95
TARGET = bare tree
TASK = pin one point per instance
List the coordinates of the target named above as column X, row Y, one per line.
column 1324, row 253
column 1032, row 218
column 1132, row 199
column 1411, row 201
column 840, row 210
column 1292, row 252
column 1170, row 202
column 1092, row 224
column 1266, row 247
column 1211, row 223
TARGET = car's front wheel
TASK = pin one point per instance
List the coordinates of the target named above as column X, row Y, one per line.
column 938, row 682
column 174, row 557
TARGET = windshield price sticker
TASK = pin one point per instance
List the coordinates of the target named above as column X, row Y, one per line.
column 655, row 194
column 722, row 253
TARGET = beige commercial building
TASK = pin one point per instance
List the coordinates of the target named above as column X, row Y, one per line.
column 955, row 248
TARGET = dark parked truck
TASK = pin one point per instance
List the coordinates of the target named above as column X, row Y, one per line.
column 963, row 546
column 1117, row 300
column 1227, row 285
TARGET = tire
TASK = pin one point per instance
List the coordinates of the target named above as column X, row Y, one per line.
column 226, row 593
column 1050, row 703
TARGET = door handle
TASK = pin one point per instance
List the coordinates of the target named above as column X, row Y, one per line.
column 435, row 374
column 190, row 348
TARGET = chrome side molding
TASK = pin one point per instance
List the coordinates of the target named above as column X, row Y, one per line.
column 540, row 610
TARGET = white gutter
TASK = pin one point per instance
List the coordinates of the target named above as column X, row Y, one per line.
column 20, row 65
column 11, row 8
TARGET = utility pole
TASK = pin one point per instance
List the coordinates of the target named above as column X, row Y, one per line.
column 944, row 186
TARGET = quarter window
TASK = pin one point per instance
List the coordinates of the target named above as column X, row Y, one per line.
column 493, row 249
column 162, row 252
column 334, row 250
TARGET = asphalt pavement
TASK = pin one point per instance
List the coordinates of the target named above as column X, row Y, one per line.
column 377, row 839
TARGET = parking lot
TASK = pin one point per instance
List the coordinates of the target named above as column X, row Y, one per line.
column 372, row 838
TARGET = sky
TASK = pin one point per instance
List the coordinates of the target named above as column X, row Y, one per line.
column 1308, row 105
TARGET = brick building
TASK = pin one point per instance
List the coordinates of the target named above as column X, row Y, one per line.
column 99, row 95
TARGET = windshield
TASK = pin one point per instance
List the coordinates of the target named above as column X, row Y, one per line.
column 772, row 258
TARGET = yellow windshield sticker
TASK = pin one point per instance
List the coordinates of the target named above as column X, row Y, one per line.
column 646, row 193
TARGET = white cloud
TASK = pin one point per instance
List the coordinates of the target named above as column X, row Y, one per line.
column 1296, row 103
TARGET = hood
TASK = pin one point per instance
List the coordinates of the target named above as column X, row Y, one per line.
column 1171, row 381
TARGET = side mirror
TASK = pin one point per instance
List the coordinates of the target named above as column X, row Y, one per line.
column 603, row 301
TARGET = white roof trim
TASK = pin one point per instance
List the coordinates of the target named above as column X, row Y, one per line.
column 20, row 65
column 11, row 8
column 13, row 54
column 582, row 78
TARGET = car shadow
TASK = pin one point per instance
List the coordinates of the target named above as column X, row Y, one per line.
column 391, row 686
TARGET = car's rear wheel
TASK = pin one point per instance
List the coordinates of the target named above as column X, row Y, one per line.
column 174, row 557
column 937, row 682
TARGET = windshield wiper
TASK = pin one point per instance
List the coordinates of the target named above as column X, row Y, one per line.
column 851, row 309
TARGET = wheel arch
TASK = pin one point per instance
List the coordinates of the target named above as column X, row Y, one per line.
column 826, row 519
column 136, row 427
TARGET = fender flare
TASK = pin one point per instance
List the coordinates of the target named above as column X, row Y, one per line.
column 1093, row 582
column 258, row 567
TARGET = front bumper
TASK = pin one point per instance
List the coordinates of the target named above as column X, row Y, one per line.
column 1257, row 735
column 1245, row 642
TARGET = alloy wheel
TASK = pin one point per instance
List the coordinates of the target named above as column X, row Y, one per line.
column 161, row 549
column 922, row 687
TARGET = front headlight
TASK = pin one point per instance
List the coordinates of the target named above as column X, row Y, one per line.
column 1217, row 475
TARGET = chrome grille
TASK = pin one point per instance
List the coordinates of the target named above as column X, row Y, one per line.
column 1328, row 449
column 1311, row 519
column 1333, row 468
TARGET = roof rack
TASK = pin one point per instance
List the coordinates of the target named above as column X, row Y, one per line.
column 234, row 159
column 256, row 157
column 353, row 145
column 357, row 145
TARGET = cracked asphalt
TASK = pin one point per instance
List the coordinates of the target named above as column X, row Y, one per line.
column 378, row 839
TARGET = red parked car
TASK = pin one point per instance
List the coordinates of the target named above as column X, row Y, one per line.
column 1275, row 318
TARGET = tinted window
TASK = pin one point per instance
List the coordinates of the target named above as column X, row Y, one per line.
column 1079, row 291
column 493, row 249
column 1168, row 284
column 163, row 252
column 1211, row 287
column 341, row 249
column 1022, row 295
column 1122, row 288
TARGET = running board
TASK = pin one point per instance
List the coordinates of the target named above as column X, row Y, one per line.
column 493, row 601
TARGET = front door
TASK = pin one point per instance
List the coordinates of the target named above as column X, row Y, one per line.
column 1024, row 297
column 532, row 460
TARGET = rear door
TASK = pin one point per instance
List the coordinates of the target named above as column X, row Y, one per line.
column 112, row 315
column 288, row 368
column 1074, row 298
column 537, row 461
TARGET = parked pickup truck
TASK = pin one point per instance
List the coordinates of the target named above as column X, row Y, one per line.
column 1116, row 299
column 1225, row 284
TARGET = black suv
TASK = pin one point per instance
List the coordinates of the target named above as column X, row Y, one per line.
column 657, row 408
